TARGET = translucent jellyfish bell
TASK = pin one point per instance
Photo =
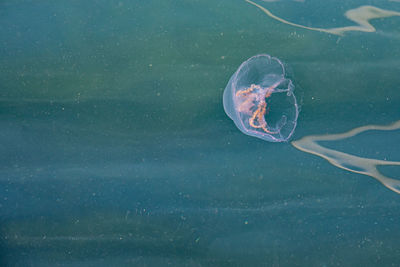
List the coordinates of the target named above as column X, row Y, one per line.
column 260, row 100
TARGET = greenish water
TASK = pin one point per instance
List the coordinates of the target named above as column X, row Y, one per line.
column 115, row 148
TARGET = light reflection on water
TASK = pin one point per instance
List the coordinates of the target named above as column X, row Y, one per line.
column 350, row 162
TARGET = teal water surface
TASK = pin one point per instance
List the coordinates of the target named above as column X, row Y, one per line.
column 116, row 150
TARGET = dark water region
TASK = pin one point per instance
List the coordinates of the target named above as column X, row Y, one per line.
column 116, row 150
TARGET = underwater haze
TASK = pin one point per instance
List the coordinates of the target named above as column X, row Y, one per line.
column 115, row 149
